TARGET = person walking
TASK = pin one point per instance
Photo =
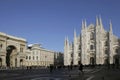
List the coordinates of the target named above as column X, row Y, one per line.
column 51, row 68
column 80, row 67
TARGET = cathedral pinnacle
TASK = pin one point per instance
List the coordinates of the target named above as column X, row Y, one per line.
column 83, row 25
column 111, row 26
column 65, row 41
column 97, row 23
column 100, row 22
column 75, row 33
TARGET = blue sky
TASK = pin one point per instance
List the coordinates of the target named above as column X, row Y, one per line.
column 48, row 21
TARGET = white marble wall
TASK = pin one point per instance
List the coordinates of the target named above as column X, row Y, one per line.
column 101, row 37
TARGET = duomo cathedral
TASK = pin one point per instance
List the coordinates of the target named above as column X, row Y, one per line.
column 94, row 45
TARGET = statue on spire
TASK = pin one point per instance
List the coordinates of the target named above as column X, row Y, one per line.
column 83, row 25
column 100, row 22
column 111, row 27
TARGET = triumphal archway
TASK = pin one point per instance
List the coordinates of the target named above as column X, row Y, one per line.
column 12, row 51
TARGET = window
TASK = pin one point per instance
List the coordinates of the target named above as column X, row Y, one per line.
column 26, row 57
column 106, row 43
column 91, row 47
column 79, row 54
column 106, row 51
column 29, row 57
column 21, row 49
column 1, row 46
column 37, row 57
column 33, row 58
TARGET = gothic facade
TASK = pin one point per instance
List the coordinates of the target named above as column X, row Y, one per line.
column 94, row 45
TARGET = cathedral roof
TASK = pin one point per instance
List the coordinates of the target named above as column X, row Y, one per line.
column 91, row 26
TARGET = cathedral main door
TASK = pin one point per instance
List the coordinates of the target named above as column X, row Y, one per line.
column 117, row 62
column 92, row 61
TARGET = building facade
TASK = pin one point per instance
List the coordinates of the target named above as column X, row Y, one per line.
column 94, row 45
column 38, row 56
column 58, row 59
column 12, row 50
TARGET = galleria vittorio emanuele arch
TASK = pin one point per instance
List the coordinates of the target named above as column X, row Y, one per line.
column 12, row 50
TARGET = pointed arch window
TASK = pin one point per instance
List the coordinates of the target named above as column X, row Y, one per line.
column 91, row 47
column 106, row 43
column 79, row 47
column 106, row 51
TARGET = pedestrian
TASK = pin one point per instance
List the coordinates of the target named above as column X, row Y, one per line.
column 71, row 67
column 51, row 68
column 80, row 67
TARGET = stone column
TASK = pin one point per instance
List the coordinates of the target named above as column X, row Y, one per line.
column 4, row 61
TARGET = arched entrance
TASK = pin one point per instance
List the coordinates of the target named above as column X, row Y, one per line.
column 116, row 61
column 10, row 55
column 92, row 61
column 106, row 61
column 21, row 62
